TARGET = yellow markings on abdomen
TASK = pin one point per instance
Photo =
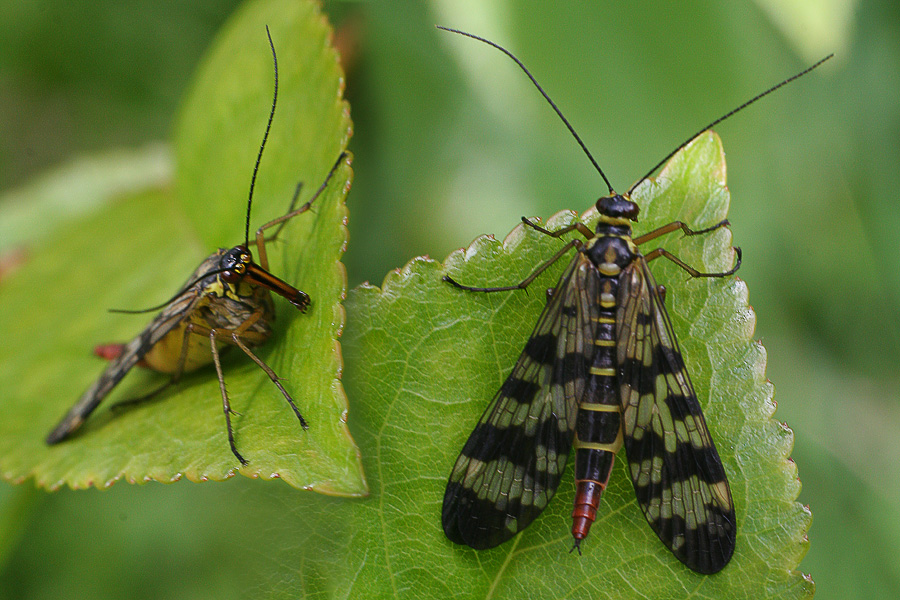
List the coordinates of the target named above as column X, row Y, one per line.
column 606, row 372
column 611, row 447
column 593, row 406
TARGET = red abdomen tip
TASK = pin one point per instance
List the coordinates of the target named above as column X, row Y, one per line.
column 587, row 500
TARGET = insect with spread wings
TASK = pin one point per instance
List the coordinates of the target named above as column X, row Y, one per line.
column 226, row 302
column 601, row 370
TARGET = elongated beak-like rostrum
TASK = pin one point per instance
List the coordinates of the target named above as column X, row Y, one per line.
column 259, row 276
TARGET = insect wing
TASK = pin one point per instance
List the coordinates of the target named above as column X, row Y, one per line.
column 677, row 474
column 511, row 465
column 131, row 354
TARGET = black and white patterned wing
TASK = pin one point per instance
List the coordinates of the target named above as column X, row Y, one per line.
column 677, row 474
column 511, row 465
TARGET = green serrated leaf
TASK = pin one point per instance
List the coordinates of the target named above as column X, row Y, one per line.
column 423, row 361
column 137, row 252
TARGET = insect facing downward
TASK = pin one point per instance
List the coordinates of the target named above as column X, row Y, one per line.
column 225, row 302
column 601, row 370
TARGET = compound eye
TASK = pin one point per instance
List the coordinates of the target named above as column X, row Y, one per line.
column 234, row 274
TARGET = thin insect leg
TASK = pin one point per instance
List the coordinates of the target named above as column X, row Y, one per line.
column 275, row 379
column 677, row 225
column 179, row 371
column 306, row 206
column 225, row 335
column 132, row 402
column 236, row 337
column 248, row 322
column 527, row 281
column 260, row 238
column 226, row 405
column 691, row 270
column 581, row 227
column 291, row 207
column 237, row 341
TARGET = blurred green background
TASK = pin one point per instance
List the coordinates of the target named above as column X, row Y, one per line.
column 451, row 142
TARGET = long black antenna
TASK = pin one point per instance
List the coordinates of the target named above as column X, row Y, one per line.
column 177, row 295
column 543, row 93
column 725, row 116
column 263, row 144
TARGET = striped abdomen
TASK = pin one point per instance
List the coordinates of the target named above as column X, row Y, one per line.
column 598, row 429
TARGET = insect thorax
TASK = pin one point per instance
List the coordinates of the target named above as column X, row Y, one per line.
column 611, row 250
column 227, row 305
